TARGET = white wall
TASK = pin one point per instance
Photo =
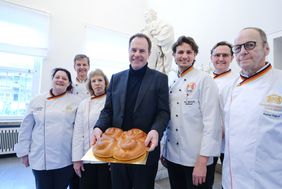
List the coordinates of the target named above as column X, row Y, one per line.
column 206, row 21
column 275, row 55
column 277, row 59
column 211, row 21
column 68, row 19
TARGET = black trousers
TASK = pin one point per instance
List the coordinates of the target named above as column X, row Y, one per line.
column 74, row 183
column 95, row 176
column 53, row 179
column 127, row 176
column 215, row 159
column 180, row 177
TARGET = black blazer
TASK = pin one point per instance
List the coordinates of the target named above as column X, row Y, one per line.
column 151, row 109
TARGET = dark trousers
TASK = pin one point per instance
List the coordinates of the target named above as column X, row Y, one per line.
column 127, row 176
column 215, row 159
column 74, row 183
column 53, row 179
column 95, row 176
column 180, row 177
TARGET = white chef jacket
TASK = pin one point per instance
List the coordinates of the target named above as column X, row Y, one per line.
column 253, row 131
column 80, row 89
column 87, row 114
column 194, row 127
column 222, row 81
column 45, row 134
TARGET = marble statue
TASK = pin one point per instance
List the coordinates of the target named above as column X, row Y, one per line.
column 162, row 37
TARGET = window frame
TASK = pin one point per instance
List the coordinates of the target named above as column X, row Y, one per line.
column 35, row 22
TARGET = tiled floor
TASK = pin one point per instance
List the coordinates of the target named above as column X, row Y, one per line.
column 13, row 175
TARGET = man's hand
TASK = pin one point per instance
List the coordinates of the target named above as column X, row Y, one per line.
column 78, row 167
column 97, row 133
column 152, row 140
column 25, row 160
column 200, row 171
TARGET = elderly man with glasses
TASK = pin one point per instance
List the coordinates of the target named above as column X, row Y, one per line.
column 252, row 114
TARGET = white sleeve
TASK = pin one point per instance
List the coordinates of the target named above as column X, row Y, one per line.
column 78, row 133
column 23, row 146
column 209, row 100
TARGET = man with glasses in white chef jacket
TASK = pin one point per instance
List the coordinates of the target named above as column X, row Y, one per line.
column 252, row 114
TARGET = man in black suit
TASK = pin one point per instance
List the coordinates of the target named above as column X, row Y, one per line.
column 136, row 98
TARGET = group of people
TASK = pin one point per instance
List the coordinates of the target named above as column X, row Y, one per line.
column 194, row 116
column 57, row 130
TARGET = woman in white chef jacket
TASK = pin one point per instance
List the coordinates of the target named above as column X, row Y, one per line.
column 193, row 135
column 45, row 134
column 92, row 176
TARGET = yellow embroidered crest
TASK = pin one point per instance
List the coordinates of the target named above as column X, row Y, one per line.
column 274, row 99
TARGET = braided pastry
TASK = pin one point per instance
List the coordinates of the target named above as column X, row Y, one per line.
column 104, row 147
column 123, row 146
column 129, row 149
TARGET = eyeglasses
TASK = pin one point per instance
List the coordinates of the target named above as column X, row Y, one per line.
column 250, row 45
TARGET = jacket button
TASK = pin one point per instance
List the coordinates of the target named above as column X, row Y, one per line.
column 179, row 89
column 177, row 143
column 176, row 129
column 176, row 115
column 177, row 102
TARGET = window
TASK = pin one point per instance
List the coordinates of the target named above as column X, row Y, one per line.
column 18, row 82
column 107, row 49
column 23, row 46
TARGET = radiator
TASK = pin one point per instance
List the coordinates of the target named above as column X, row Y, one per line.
column 8, row 138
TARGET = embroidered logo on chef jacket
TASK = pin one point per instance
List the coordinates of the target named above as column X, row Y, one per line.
column 273, row 106
column 275, row 99
column 190, row 89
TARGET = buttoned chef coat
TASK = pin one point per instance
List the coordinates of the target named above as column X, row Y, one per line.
column 87, row 114
column 221, row 81
column 80, row 89
column 46, row 132
column 253, row 131
column 194, row 128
